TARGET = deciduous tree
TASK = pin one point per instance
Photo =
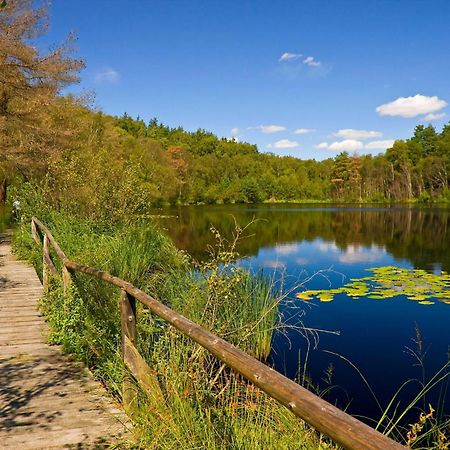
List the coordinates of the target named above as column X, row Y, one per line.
column 32, row 114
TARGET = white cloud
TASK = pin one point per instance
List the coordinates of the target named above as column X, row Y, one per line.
column 273, row 264
column 352, row 145
column 432, row 117
column 302, row 261
column 349, row 133
column 304, row 130
column 411, row 106
column 310, row 61
column 284, row 143
column 288, row 56
column 326, row 247
column 234, row 131
column 286, row 249
column 348, row 145
column 356, row 254
column 268, row 129
column 380, row 145
column 107, row 75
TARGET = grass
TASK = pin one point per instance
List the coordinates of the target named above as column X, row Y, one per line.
column 205, row 404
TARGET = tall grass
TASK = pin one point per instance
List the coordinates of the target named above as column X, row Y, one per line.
column 204, row 404
column 428, row 430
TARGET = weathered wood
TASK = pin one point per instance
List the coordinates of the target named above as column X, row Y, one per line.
column 45, row 258
column 47, row 400
column 54, row 244
column 129, row 333
column 67, row 278
column 326, row 418
column 128, row 318
column 142, row 372
column 34, row 233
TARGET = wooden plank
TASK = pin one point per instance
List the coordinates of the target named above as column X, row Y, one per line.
column 25, row 290
column 21, row 325
column 129, row 333
column 25, row 315
column 21, row 300
column 56, row 439
column 8, row 341
column 142, row 372
column 32, row 321
column 47, row 399
column 24, row 350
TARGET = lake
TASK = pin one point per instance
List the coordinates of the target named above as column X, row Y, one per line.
column 316, row 247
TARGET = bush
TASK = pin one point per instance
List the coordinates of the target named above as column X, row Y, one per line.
column 205, row 404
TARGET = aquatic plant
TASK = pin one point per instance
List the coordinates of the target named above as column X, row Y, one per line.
column 389, row 282
column 205, row 405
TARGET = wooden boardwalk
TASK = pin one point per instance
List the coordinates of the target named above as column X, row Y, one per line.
column 47, row 401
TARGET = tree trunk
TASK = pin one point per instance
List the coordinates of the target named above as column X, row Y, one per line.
column 407, row 173
column 3, row 190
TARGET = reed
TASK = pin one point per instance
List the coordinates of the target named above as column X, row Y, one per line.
column 205, row 404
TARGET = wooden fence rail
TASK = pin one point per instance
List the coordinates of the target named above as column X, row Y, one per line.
column 323, row 416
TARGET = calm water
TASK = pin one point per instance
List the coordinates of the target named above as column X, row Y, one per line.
column 294, row 243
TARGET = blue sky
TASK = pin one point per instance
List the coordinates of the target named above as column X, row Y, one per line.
column 219, row 65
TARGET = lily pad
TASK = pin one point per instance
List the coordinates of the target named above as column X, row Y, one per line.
column 389, row 282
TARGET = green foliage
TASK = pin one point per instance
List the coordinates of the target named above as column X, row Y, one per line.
column 222, row 171
column 115, row 167
column 5, row 219
column 226, row 414
column 206, row 405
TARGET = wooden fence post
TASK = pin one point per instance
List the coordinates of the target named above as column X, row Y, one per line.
column 67, row 278
column 128, row 321
column 45, row 258
column 326, row 418
column 34, row 233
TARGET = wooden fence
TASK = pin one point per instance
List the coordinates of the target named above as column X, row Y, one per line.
column 323, row 416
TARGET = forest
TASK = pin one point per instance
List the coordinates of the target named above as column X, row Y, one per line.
column 93, row 177
column 90, row 158
column 212, row 170
column 130, row 165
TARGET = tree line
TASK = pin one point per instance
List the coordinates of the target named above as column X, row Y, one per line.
column 119, row 165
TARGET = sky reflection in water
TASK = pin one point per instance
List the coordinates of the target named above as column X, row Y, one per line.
column 328, row 247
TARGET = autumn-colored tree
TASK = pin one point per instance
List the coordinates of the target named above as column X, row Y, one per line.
column 32, row 114
column 179, row 162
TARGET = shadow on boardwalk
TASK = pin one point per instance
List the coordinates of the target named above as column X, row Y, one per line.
column 47, row 400
column 23, row 380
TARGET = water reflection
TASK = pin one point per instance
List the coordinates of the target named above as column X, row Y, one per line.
column 418, row 235
column 294, row 243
